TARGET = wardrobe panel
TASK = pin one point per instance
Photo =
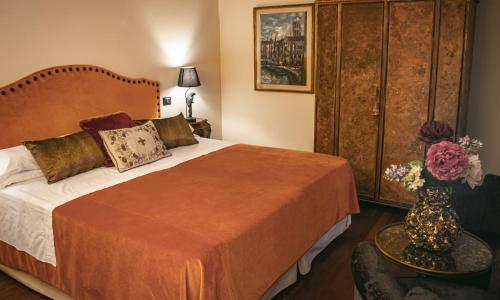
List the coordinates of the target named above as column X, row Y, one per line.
column 408, row 84
column 326, row 78
column 451, row 46
column 361, row 57
column 466, row 66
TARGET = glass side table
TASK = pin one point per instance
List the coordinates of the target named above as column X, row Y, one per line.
column 470, row 255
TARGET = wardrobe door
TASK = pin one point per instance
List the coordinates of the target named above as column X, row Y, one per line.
column 360, row 80
column 409, row 61
column 451, row 54
column 326, row 77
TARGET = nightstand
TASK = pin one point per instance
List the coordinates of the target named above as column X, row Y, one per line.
column 201, row 127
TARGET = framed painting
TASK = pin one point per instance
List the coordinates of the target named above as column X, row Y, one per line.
column 284, row 48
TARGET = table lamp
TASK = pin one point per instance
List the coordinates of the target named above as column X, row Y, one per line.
column 188, row 77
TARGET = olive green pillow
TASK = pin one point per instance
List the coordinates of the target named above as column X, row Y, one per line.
column 174, row 131
column 66, row 156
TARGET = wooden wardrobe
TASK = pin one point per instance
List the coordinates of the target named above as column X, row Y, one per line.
column 384, row 67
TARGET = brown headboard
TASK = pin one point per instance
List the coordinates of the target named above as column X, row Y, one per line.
column 51, row 102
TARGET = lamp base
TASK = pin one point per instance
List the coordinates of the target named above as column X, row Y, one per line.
column 191, row 120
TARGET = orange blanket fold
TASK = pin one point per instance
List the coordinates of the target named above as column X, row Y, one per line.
column 222, row 226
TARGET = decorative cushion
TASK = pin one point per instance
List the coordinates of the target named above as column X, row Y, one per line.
column 66, row 156
column 114, row 121
column 175, row 131
column 133, row 147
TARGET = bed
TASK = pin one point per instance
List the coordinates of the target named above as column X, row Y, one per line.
column 216, row 220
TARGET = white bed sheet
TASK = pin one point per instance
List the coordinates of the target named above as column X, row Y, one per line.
column 26, row 208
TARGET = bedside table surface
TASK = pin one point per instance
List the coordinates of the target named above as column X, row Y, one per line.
column 198, row 120
column 201, row 127
column 469, row 256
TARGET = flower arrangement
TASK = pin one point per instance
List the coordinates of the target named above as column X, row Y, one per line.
column 445, row 161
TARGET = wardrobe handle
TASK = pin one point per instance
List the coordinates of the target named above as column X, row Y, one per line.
column 376, row 105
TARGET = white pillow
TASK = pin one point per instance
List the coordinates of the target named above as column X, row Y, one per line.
column 17, row 165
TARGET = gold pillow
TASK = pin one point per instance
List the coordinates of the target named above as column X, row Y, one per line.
column 174, row 131
column 66, row 156
column 133, row 147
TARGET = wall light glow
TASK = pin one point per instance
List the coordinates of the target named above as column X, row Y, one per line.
column 176, row 49
column 173, row 33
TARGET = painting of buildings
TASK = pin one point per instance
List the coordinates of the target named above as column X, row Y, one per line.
column 283, row 48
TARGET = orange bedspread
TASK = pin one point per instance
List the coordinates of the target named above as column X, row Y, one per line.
column 223, row 226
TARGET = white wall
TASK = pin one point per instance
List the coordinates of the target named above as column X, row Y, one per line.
column 257, row 117
column 484, row 105
column 136, row 38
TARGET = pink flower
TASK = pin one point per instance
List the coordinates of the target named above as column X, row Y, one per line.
column 446, row 161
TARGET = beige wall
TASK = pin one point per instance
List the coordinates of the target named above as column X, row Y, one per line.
column 136, row 38
column 484, row 105
column 265, row 118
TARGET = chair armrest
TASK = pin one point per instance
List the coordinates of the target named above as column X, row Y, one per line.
column 370, row 274
column 420, row 293
column 495, row 274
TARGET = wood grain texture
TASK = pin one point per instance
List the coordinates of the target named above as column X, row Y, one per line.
column 408, row 83
column 451, row 44
column 13, row 290
column 466, row 66
column 425, row 61
column 361, row 57
column 326, row 75
column 330, row 276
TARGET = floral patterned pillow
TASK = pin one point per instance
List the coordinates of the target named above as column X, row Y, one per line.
column 133, row 147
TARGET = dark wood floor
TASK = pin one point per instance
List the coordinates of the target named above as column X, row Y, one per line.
column 330, row 276
column 12, row 290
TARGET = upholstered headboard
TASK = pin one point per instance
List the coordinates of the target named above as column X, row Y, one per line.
column 51, row 102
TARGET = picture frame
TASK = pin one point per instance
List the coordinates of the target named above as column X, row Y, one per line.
column 284, row 48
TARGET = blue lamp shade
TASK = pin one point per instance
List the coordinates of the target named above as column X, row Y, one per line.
column 188, row 77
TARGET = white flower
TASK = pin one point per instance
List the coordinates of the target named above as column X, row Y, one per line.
column 412, row 180
column 474, row 173
column 396, row 172
column 470, row 145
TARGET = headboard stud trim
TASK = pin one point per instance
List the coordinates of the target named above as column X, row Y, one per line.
column 70, row 68
column 52, row 101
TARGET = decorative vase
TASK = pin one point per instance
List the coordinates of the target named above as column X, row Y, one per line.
column 432, row 224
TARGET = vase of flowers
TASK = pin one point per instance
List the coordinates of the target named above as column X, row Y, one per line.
column 432, row 223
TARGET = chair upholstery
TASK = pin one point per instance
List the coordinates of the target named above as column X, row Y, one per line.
column 495, row 275
column 479, row 209
column 373, row 281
